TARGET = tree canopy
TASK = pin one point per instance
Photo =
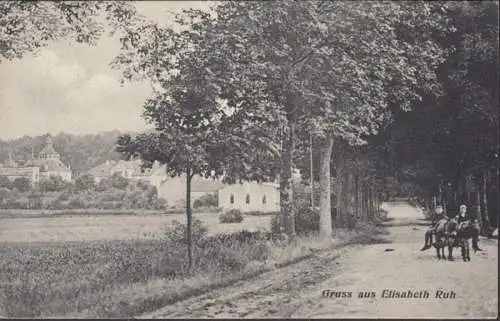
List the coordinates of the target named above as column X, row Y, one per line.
column 30, row 25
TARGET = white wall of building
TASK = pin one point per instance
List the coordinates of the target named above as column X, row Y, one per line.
column 249, row 196
column 65, row 176
column 32, row 173
column 173, row 190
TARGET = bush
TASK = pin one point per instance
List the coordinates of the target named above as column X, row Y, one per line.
column 5, row 194
column 231, row 216
column 306, row 221
column 207, row 200
column 5, row 182
column 85, row 182
column 22, row 184
column 177, row 232
column 53, row 184
column 258, row 213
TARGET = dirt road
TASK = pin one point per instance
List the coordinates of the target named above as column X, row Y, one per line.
column 395, row 264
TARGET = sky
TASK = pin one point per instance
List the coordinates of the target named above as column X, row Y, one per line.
column 71, row 87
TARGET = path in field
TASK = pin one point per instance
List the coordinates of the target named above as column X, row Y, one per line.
column 295, row 291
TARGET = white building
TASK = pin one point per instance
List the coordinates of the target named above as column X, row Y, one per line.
column 30, row 172
column 173, row 189
column 131, row 170
column 250, row 196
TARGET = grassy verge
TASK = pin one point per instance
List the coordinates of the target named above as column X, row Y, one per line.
column 123, row 279
column 22, row 213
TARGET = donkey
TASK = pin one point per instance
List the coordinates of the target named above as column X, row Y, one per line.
column 446, row 236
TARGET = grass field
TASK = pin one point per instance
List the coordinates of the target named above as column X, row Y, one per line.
column 111, row 227
column 125, row 265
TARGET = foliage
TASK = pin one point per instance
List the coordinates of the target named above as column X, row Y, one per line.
column 118, row 181
column 120, row 193
column 22, row 184
column 5, row 182
column 32, row 25
column 84, row 182
column 231, row 216
column 5, row 194
column 52, row 184
column 306, row 220
column 288, row 66
column 176, row 233
column 82, row 152
column 207, row 200
column 455, row 135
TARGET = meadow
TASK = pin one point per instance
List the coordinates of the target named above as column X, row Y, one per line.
column 126, row 265
column 74, row 228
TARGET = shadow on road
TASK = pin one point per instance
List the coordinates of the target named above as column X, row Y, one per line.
column 368, row 240
column 410, row 223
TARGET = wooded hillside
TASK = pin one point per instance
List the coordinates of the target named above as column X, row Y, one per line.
column 82, row 152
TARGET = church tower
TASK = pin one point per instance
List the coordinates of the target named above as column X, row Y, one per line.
column 48, row 152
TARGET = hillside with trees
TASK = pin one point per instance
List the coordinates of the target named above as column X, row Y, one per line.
column 82, row 152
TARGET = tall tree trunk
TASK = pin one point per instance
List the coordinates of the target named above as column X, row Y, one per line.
column 357, row 206
column 366, row 196
column 311, row 169
column 189, row 215
column 370, row 204
column 478, row 210
column 286, row 191
column 364, row 209
column 325, row 210
column 349, row 198
column 369, row 212
column 339, row 190
column 484, row 199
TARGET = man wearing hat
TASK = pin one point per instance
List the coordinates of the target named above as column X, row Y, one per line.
column 438, row 215
column 465, row 221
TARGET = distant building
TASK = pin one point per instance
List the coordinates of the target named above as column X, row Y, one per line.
column 173, row 189
column 47, row 164
column 250, row 196
column 130, row 170
column 50, row 164
column 30, row 172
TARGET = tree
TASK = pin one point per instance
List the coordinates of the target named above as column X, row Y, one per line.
column 22, row 184
column 294, row 66
column 52, row 184
column 195, row 134
column 210, row 149
column 118, row 181
column 5, row 182
column 85, row 182
column 5, row 194
column 83, row 152
column 30, row 25
column 455, row 136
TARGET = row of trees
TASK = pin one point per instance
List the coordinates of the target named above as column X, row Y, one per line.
column 240, row 89
column 115, row 192
column 388, row 93
column 447, row 148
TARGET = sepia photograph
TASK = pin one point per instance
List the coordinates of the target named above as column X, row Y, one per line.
column 249, row 159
